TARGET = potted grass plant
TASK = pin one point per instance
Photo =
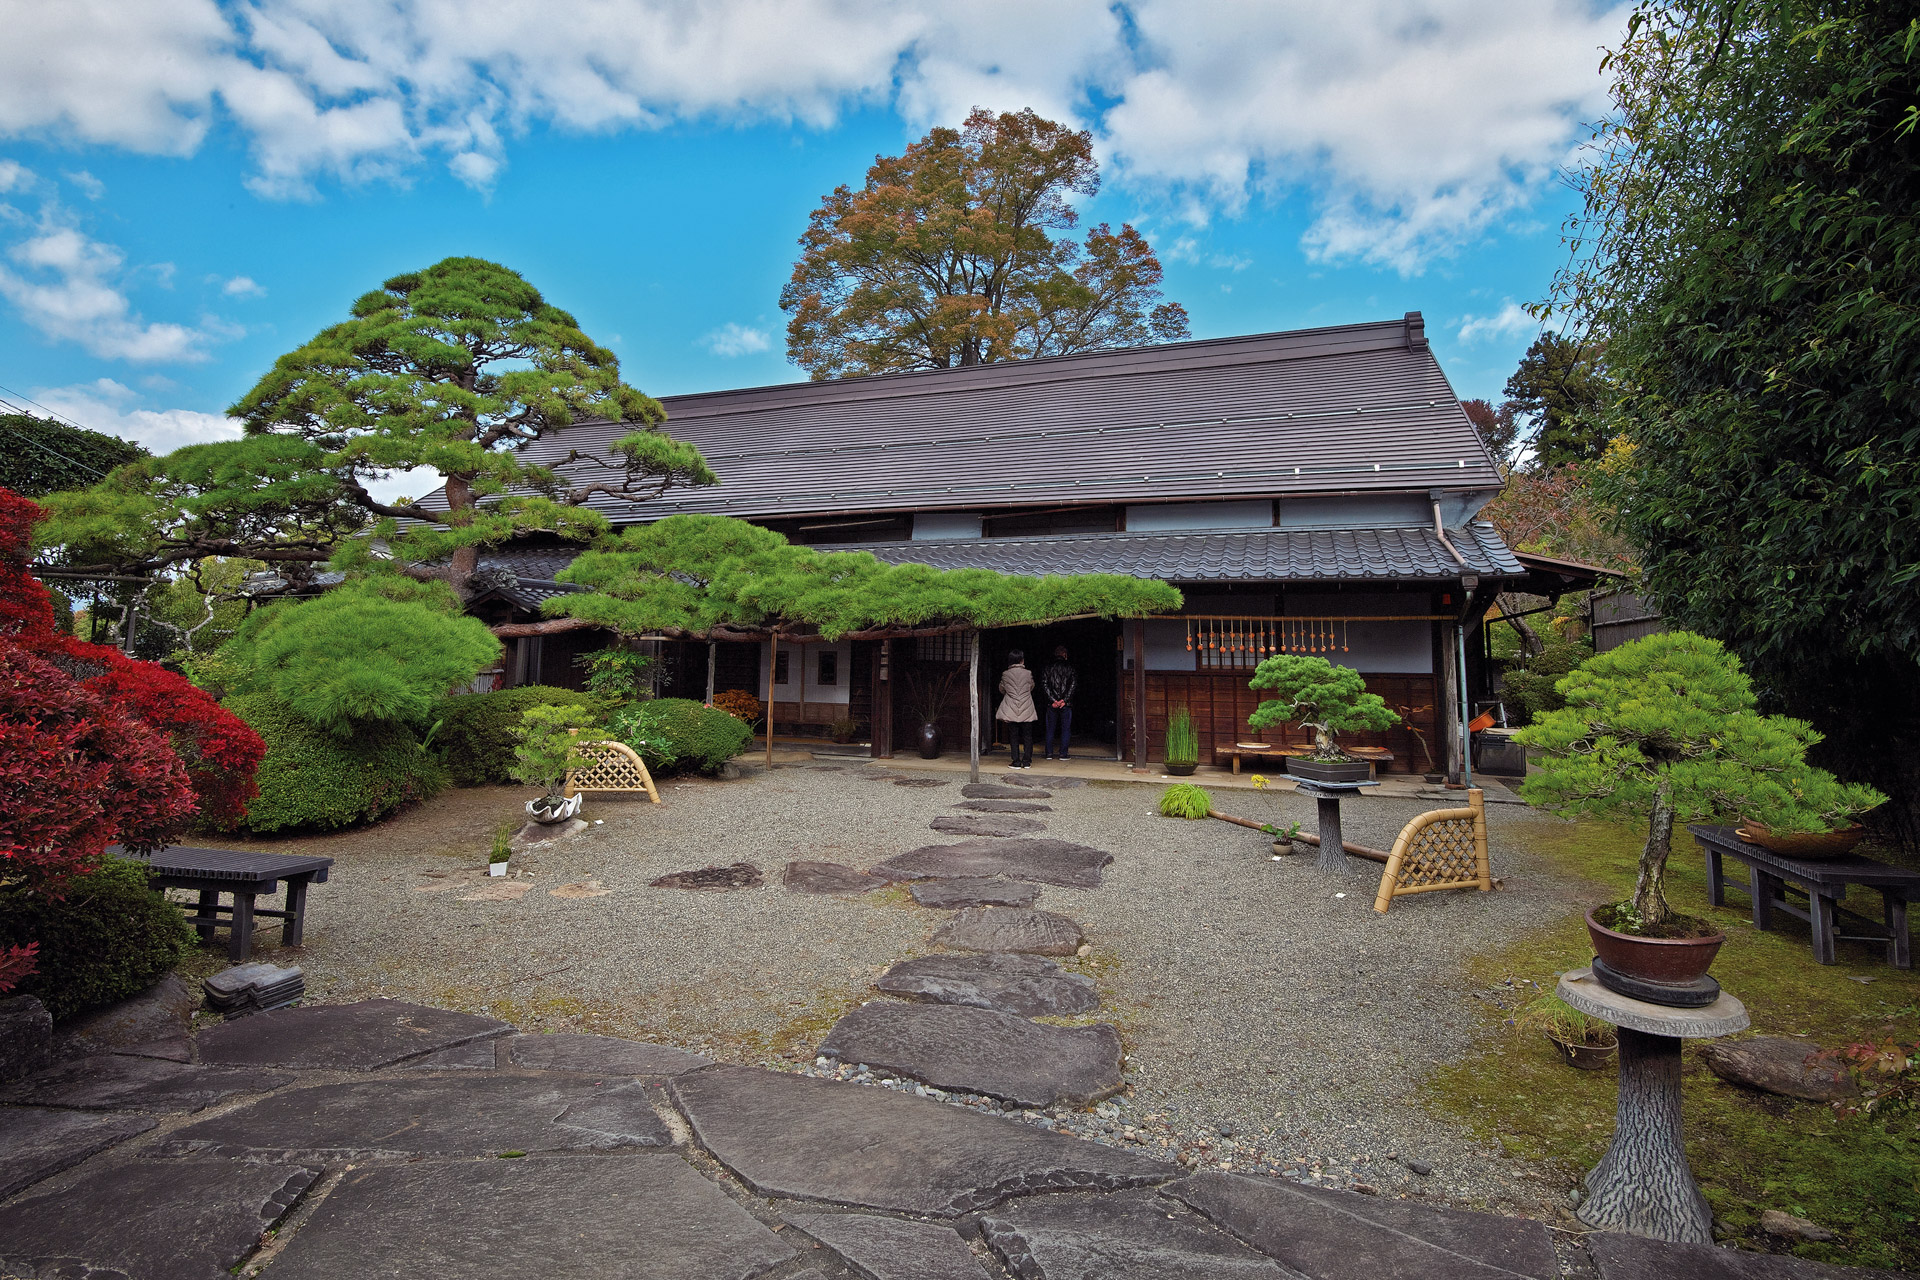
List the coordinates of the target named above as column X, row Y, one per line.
column 502, row 850
column 1584, row 1042
column 1325, row 699
column 1183, row 744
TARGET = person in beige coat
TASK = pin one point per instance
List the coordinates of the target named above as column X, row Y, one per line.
column 1016, row 708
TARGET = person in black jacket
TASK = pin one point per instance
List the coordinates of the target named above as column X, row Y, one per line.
column 1057, row 684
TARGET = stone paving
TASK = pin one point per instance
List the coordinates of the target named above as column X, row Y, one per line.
column 388, row 1139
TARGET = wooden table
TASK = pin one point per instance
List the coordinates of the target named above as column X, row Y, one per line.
column 1240, row 749
column 244, row 875
column 1824, row 881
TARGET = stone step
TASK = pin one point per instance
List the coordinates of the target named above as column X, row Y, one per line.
column 1028, row 986
column 1043, row 933
column 986, row 824
column 974, row 891
column 1061, row 862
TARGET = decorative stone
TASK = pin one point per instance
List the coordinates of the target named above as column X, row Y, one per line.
column 538, row 833
column 115, row 1082
column 1004, row 806
column 741, row 875
column 890, row 1249
column 994, row 791
column 919, row 782
column 1037, row 781
column 1130, row 1236
column 1777, row 1064
column 1789, row 1227
column 1617, row 1256
column 1010, row 929
column 1721, row 1018
column 1060, row 862
column 982, row 1051
column 151, row 1219
column 26, row 1036
column 153, row 1023
column 409, row 1115
column 981, row 824
column 605, row 1218
column 38, row 1142
column 828, row 877
column 364, row 1036
column 974, row 891
column 787, row 1135
column 600, row 1055
column 1017, row 984
column 1338, row 1235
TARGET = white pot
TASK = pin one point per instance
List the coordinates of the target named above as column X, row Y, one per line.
column 496, row 868
column 569, row 808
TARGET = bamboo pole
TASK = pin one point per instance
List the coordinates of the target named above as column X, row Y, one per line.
column 1357, row 850
column 973, row 707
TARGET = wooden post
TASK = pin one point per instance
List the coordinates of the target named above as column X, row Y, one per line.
column 882, row 728
column 713, row 649
column 1139, row 695
column 973, row 706
column 773, row 669
column 1450, row 700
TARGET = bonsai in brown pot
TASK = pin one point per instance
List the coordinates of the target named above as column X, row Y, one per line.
column 1665, row 728
column 1327, row 699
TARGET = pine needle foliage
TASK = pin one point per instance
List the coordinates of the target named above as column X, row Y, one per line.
column 1317, row 695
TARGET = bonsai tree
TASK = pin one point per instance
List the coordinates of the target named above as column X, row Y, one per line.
column 549, row 749
column 1666, row 727
column 1315, row 694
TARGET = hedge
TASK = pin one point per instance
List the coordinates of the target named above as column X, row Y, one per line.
column 313, row 779
column 111, row 936
column 475, row 737
column 679, row 733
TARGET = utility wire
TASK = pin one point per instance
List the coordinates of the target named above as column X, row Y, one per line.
column 57, row 417
column 49, row 449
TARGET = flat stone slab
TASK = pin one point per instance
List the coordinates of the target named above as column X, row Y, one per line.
column 889, row 1249
column 974, row 891
column 38, row 1142
column 1583, row 991
column 1061, row 862
column 1342, row 1235
column 1043, row 933
column 1779, row 1064
column 919, row 782
column 601, row 1055
column 470, row 1115
column 341, row 1037
column 996, row 791
column 151, row 1220
column 1025, row 985
column 971, row 1050
column 153, row 1023
column 1040, row 781
column 740, row 875
column 479, row 1055
column 787, row 1135
column 116, row 1082
column 1624, row 1257
column 1004, row 806
column 605, row 1218
column 26, row 1036
column 986, row 824
column 828, row 877
column 1130, row 1236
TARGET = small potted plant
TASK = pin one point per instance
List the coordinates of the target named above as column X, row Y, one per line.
column 1283, row 837
column 502, row 850
column 549, row 750
column 844, row 730
column 928, row 694
column 1183, row 744
column 1327, row 699
column 1664, row 728
column 1584, row 1042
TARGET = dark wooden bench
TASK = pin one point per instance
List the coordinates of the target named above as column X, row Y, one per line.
column 1824, row 881
column 244, row 875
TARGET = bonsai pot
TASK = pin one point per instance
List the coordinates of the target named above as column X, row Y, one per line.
column 929, row 741
column 1283, row 848
column 1182, row 768
column 496, row 868
column 1587, row 1057
column 1800, row 844
column 566, row 809
column 1328, row 770
column 1670, row 962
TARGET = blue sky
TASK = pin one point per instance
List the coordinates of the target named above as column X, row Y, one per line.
column 163, row 239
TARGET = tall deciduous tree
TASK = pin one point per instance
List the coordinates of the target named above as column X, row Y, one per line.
column 1498, row 427
column 1750, row 255
column 956, row 253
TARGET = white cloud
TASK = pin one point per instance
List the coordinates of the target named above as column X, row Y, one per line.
column 1412, row 124
column 1511, row 321
column 14, row 177
column 243, row 287
column 733, row 339
column 109, row 406
column 90, row 187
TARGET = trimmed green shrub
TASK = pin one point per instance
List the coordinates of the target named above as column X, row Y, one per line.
column 1184, row 800
column 1529, row 689
column 476, row 739
column 681, row 733
column 110, row 937
column 313, row 779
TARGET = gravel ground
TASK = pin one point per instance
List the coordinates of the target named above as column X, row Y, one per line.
column 1270, row 1024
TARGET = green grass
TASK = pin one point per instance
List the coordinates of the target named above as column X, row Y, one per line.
column 1857, row 1176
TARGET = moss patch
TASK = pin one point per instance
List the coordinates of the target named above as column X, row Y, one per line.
column 1856, row 1176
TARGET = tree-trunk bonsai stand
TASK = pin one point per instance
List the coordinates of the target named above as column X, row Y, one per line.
column 1643, row 1185
column 1327, row 795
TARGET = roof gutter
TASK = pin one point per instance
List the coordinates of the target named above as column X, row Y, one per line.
column 1440, row 532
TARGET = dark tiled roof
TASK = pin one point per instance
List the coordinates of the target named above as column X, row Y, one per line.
column 1250, row 555
column 1356, row 407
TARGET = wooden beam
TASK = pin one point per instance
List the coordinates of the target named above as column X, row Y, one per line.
column 973, row 706
column 1139, row 695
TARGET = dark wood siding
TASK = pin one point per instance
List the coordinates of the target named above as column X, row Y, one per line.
column 1220, row 703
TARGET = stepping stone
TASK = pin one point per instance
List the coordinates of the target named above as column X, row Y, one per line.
column 580, row 889
column 1060, row 862
column 919, row 782
column 828, row 877
column 1778, row 1064
column 605, row 1218
column 481, row 1055
column 741, row 875
column 986, row 824
column 1125, row 1237
column 889, row 1249
column 981, row 1051
column 1341, row 1235
column 112, row 1082
column 974, row 891
column 152, row 1219
column 1024, row 985
column 38, row 1142
column 1036, row 781
column 1004, row 806
column 474, row 1115
column 342, row 1037
column 1041, row 933
column 1623, row 1257
column 787, row 1135
column 600, row 1055
column 994, row 791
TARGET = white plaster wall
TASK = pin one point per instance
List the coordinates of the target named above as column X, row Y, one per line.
column 933, row 526
column 1387, row 648
column 1371, row 511
column 1174, row 516
column 803, row 665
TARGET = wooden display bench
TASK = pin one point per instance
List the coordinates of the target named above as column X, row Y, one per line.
column 1377, row 758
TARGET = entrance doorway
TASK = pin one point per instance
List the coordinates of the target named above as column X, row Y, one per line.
column 1093, row 649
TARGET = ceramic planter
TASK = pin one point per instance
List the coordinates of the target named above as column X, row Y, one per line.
column 929, row 741
column 496, row 868
column 569, row 808
column 1182, row 768
column 1797, row 844
column 1669, row 961
column 1587, row 1057
column 1328, row 770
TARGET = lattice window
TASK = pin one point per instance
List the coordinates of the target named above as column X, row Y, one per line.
column 951, row 647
